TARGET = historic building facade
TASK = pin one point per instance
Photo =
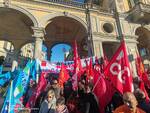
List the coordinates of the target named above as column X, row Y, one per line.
column 98, row 27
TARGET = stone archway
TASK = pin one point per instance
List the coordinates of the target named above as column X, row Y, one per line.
column 64, row 29
column 47, row 19
column 23, row 11
column 15, row 26
column 144, row 44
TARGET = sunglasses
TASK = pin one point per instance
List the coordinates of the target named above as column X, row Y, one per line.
column 49, row 96
column 54, row 83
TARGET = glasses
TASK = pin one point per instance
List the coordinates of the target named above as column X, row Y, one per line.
column 55, row 83
column 50, row 96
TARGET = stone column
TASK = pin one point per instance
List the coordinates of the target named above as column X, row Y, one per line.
column 98, row 48
column 132, row 52
column 48, row 53
column 15, row 59
column 39, row 37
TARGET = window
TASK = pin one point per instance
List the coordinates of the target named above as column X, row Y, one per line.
column 108, row 27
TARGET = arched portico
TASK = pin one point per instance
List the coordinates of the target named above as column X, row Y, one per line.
column 65, row 29
column 22, row 10
column 15, row 27
column 46, row 19
column 144, row 44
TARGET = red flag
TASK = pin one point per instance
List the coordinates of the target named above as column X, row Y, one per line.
column 143, row 76
column 142, row 87
column 43, row 63
column 89, row 70
column 97, row 73
column 40, row 87
column 63, row 75
column 141, row 71
column 104, row 92
column 77, row 68
column 106, row 61
column 118, row 70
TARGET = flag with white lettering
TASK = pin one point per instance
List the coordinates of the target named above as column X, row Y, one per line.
column 118, row 70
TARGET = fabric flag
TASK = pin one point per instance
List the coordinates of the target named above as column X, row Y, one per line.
column 97, row 73
column 142, row 87
column 141, row 71
column 97, row 65
column 4, row 78
column 34, row 70
column 143, row 76
column 77, row 68
column 89, row 71
column 1, row 69
column 63, row 75
column 40, row 87
column 118, row 70
column 8, row 100
column 28, row 66
column 139, row 66
column 105, row 62
column 19, row 89
column 104, row 92
column 13, row 100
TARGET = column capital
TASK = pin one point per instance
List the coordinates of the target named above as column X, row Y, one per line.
column 6, row 3
column 39, row 32
column 147, row 27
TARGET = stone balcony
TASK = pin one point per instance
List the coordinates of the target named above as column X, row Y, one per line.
column 140, row 13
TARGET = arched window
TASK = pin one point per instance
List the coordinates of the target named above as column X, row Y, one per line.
column 60, row 52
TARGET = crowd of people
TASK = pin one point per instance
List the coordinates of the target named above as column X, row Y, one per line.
column 55, row 99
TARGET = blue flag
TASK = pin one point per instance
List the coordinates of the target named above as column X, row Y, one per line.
column 7, row 106
column 4, row 78
column 14, row 96
column 1, row 69
column 34, row 70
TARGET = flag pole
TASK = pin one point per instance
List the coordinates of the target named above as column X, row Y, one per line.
column 10, row 96
column 97, row 82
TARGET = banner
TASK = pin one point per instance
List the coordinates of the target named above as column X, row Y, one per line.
column 55, row 67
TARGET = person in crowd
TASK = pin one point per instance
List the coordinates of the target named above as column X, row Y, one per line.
column 81, row 88
column 72, row 103
column 116, row 101
column 136, row 82
column 60, row 105
column 57, row 89
column 49, row 104
column 130, row 104
column 90, row 101
column 140, row 96
column 67, row 89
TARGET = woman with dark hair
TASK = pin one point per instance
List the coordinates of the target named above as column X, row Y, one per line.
column 90, row 101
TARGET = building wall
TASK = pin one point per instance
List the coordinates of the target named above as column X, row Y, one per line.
column 42, row 12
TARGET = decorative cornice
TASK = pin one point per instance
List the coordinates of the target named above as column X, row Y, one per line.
column 38, row 32
column 102, row 35
column 112, row 37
